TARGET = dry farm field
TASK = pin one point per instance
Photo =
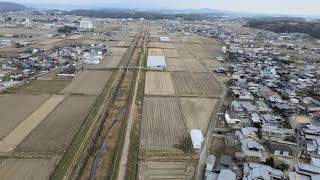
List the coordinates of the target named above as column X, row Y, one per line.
column 88, row 82
column 107, row 62
column 155, row 52
column 159, row 83
column 47, row 41
column 208, row 83
column 28, row 169
column 74, row 37
column 213, row 63
column 14, row 108
column 197, row 112
column 185, row 64
column 161, row 45
column 57, row 130
column 118, row 51
column 166, row 170
column 162, row 125
column 184, row 84
column 16, row 136
column 41, row 86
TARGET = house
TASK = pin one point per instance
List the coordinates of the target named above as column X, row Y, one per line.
column 211, row 160
column 224, row 162
column 156, row 63
column 262, row 106
column 237, row 120
column 254, row 171
column 306, row 170
column 227, row 174
column 274, row 133
column 251, row 149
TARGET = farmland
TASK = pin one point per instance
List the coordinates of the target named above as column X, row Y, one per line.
column 159, row 83
column 185, row 64
column 166, row 170
column 88, row 82
column 184, row 83
column 155, row 52
column 118, row 51
column 41, row 87
column 23, row 106
column 162, row 123
column 197, row 112
column 24, row 128
column 35, row 169
column 161, row 45
column 107, row 62
column 56, row 132
column 208, row 84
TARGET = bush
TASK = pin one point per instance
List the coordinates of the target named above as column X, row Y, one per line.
column 66, row 29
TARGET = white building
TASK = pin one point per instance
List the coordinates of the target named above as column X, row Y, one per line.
column 86, row 25
column 224, row 49
column 164, row 39
column 196, row 138
column 28, row 23
column 156, row 63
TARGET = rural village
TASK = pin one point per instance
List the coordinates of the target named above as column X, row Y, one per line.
column 136, row 99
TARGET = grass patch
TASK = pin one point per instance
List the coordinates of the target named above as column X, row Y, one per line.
column 41, row 87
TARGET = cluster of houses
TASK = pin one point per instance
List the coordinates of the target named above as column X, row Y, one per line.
column 35, row 62
column 274, row 103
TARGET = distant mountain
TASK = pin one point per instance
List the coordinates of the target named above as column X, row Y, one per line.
column 8, row 6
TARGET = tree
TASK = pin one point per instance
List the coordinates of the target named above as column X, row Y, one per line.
column 270, row 161
column 66, row 29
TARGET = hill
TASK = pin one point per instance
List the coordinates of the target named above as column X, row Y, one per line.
column 8, row 6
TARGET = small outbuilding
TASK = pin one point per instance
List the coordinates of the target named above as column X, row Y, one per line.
column 164, row 39
column 196, row 138
column 156, row 63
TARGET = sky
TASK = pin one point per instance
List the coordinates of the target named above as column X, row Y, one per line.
column 294, row 7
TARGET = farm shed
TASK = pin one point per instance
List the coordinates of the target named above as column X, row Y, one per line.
column 164, row 39
column 196, row 138
column 156, row 63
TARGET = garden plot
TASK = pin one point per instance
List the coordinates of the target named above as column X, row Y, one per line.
column 162, row 125
column 197, row 112
column 41, row 87
column 159, row 83
column 57, row 131
column 88, row 82
column 166, row 170
column 185, row 64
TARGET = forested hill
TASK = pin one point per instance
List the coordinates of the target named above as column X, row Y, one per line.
column 287, row 26
column 8, row 6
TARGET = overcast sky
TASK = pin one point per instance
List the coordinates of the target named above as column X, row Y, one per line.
column 308, row 7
